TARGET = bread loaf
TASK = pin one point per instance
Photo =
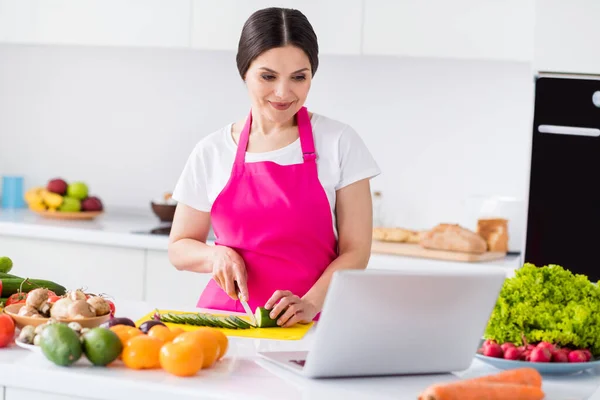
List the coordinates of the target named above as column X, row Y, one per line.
column 453, row 237
column 495, row 232
column 398, row 235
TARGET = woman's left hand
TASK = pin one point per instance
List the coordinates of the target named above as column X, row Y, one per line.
column 296, row 309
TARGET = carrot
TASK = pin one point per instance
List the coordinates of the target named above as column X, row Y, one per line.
column 521, row 376
column 464, row 390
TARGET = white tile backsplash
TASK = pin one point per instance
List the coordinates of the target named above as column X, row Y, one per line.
column 124, row 120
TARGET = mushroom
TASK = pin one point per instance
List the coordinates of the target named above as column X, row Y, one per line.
column 81, row 309
column 76, row 326
column 99, row 304
column 60, row 309
column 37, row 298
column 28, row 311
column 77, row 295
column 27, row 334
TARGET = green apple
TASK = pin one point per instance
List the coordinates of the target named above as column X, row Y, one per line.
column 70, row 204
column 77, row 190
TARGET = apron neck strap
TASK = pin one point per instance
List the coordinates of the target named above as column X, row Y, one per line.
column 304, row 131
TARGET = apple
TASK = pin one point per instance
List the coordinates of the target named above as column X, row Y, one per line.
column 77, row 190
column 92, row 203
column 58, row 186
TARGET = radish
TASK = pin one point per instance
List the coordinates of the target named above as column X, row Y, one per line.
column 506, row 346
column 512, row 353
column 560, row 355
column 540, row 354
column 493, row 350
column 588, row 354
column 488, row 342
column 577, row 356
column 526, row 355
column 546, row 345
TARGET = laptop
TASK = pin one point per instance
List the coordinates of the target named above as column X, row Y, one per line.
column 423, row 320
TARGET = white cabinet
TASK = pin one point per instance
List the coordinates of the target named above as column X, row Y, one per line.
column 464, row 29
column 116, row 271
column 337, row 23
column 20, row 394
column 566, row 36
column 161, row 23
column 166, row 287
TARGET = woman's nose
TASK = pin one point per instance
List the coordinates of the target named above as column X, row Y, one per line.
column 281, row 88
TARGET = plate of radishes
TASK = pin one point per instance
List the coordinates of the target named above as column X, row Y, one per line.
column 545, row 357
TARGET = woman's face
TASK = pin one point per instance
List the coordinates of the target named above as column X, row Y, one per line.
column 278, row 82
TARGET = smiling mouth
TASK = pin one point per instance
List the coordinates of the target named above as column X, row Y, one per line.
column 280, row 106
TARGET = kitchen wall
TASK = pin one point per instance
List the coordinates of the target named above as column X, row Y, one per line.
column 125, row 120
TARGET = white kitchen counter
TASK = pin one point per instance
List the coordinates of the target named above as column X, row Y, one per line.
column 113, row 228
column 240, row 375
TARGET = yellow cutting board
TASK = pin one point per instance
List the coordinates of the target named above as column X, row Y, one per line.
column 295, row 332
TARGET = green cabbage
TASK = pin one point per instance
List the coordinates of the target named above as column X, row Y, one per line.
column 549, row 304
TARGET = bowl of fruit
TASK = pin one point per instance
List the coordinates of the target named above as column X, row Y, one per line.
column 62, row 200
column 544, row 318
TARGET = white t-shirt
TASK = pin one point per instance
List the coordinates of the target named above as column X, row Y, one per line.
column 342, row 160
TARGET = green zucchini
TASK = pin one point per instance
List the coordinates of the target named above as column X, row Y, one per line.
column 11, row 286
column 264, row 320
column 6, row 264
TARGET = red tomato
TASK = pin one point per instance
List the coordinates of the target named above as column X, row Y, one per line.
column 16, row 298
column 7, row 330
column 53, row 299
column 111, row 305
column 0, row 288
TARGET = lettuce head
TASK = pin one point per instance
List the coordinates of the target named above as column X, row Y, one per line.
column 548, row 303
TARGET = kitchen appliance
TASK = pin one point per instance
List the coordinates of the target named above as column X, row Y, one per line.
column 563, row 215
column 398, row 322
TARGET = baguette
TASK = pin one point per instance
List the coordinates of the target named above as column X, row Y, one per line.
column 453, row 237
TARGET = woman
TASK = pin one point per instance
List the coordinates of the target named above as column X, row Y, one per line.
column 287, row 191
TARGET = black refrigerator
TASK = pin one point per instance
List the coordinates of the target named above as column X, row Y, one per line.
column 563, row 218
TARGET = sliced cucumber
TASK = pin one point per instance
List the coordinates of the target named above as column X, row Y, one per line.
column 226, row 323
column 241, row 323
column 264, row 320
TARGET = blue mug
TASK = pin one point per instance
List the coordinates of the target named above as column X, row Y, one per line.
column 12, row 192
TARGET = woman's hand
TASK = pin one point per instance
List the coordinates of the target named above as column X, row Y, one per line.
column 296, row 309
column 228, row 267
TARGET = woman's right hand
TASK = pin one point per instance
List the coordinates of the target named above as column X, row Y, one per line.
column 228, row 268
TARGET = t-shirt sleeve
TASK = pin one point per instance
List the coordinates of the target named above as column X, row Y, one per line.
column 356, row 162
column 191, row 188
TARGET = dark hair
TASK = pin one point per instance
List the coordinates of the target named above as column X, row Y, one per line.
column 276, row 27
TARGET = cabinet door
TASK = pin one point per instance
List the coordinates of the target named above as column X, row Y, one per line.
column 116, row 271
column 168, row 288
column 162, row 23
column 337, row 23
column 20, row 394
column 464, row 29
column 566, row 36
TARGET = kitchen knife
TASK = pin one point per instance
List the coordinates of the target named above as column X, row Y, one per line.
column 249, row 312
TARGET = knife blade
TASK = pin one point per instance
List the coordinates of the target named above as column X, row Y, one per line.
column 249, row 312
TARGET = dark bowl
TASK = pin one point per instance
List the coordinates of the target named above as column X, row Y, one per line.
column 165, row 212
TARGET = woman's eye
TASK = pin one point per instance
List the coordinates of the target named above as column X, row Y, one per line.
column 268, row 77
column 299, row 78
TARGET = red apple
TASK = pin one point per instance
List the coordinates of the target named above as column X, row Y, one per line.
column 92, row 203
column 58, row 186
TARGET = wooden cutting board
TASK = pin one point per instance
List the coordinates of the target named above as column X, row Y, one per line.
column 295, row 332
column 415, row 250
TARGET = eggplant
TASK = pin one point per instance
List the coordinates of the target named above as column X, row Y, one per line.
column 147, row 325
column 118, row 321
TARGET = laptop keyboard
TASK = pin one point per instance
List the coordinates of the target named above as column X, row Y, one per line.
column 299, row 362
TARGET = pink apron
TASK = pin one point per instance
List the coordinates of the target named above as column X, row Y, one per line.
column 278, row 219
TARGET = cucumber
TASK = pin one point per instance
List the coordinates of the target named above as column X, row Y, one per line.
column 263, row 320
column 6, row 264
column 11, row 286
column 4, row 275
column 202, row 319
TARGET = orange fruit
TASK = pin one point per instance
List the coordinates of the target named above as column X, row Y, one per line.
column 176, row 331
column 142, row 352
column 223, row 342
column 125, row 332
column 181, row 359
column 161, row 332
column 205, row 340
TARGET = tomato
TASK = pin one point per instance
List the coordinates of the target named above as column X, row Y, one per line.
column 0, row 288
column 16, row 298
column 7, row 330
column 53, row 299
column 111, row 305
